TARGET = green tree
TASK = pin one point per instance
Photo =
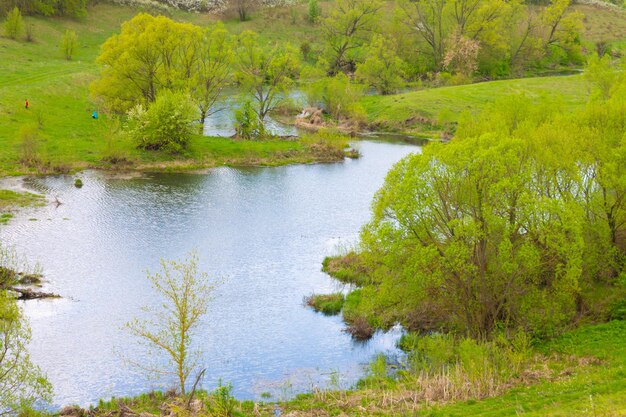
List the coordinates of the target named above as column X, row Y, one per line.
column 167, row 124
column 185, row 294
column 382, row 69
column 347, row 28
column 68, row 45
column 266, row 75
column 483, row 231
column 212, row 71
column 21, row 382
column 149, row 55
column 314, row 11
column 14, row 25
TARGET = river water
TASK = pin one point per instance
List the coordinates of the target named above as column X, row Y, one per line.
column 263, row 231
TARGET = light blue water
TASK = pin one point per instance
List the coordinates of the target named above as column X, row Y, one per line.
column 264, row 231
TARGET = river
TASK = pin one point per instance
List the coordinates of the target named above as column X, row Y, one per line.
column 263, row 231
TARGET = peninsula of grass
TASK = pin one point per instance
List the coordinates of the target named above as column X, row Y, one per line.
column 327, row 304
column 347, row 268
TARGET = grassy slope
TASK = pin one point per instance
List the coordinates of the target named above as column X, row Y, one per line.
column 60, row 107
column 448, row 103
column 591, row 391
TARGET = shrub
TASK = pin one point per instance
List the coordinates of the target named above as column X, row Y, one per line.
column 29, row 155
column 248, row 123
column 337, row 96
column 69, row 43
column 221, row 403
column 305, row 49
column 314, row 11
column 14, row 25
column 166, row 125
column 329, row 144
column 30, row 33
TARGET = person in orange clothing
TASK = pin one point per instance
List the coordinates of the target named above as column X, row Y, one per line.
column 26, row 104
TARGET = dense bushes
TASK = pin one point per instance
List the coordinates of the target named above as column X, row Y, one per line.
column 166, row 125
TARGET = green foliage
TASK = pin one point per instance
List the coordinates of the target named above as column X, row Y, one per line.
column 248, row 124
column 314, row 11
column 153, row 54
column 70, row 8
column 29, row 143
column 349, row 268
column 220, row 402
column 346, row 30
column 493, row 230
column 329, row 144
column 169, row 330
column 212, row 69
column 266, row 75
column 383, row 69
column 21, row 382
column 327, row 304
column 601, row 76
column 336, row 95
column 167, row 124
column 68, row 45
column 493, row 36
column 14, row 24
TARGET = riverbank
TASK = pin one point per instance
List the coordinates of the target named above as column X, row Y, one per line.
column 580, row 373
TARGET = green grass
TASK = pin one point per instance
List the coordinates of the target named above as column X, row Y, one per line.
column 596, row 390
column 13, row 200
column 585, row 375
column 327, row 304
column 434, row 108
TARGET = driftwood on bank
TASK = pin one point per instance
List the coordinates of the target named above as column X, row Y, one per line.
column 29, row 294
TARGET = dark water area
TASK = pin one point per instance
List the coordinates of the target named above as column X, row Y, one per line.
column 263, row 231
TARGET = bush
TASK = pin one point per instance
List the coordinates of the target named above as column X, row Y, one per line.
column 221, row 403
column 29, row 155
column 337, row 96
column 248, row 124
column 166, row 125
column 314, row 11
column 14, row 25
column 68, row 45
column 30, row 33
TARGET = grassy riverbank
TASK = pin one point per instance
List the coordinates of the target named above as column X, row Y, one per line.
column 431, row 111
column 58, row 135
column 581, row 373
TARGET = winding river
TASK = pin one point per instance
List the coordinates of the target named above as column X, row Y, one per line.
column 263, row 231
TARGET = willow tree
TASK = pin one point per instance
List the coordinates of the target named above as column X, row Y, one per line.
column 348, row 27
column 265, row 74
column 212, row 71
